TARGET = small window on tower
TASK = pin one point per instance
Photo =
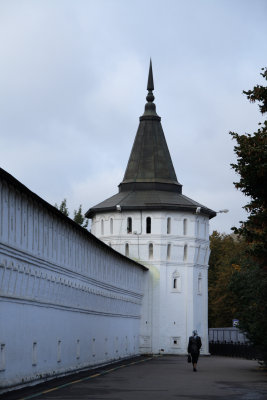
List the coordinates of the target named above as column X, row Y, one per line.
column 176, row 282
column 111, row 226
column 185, row 227
column 185, row 252
column 168, row 251
column 168, row 225
column 129, row 225
column 102, row 227
column 148, row 225
column 150, row 251
column 127, row 249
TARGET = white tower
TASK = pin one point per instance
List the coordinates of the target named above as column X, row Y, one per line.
column 151, row 221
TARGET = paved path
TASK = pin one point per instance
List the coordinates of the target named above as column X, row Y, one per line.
column 160, row 378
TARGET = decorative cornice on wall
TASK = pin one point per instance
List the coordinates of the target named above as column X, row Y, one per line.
column 28, row 284
column 25, row 259
column 36, row 303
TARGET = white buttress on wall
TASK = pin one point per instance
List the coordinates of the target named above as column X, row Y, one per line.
column 175, row 248
column 66, row 300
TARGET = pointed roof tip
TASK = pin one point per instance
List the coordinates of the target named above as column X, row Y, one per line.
column 150, row 81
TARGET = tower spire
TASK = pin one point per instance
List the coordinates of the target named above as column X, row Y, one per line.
column 150, row 107
column 150, row 166
column 150, row 82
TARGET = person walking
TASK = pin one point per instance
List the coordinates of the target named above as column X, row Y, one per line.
column 193, row 348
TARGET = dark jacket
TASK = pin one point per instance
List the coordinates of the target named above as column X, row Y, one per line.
column 194, row 345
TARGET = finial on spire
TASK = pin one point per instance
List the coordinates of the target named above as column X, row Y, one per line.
column 150, row 107
column 150, row 82
column 150, row 85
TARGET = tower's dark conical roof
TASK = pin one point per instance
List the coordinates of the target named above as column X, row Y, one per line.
column 150, row 181
column 150, row 165
column 150, row 161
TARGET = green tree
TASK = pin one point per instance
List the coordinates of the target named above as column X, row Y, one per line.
column 251, row 165
column 249, row 289
column 227, row 254
column 79, row 217
column 63, row 207
column 249, row 285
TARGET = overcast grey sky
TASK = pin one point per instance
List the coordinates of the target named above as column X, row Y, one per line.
column 73, row 85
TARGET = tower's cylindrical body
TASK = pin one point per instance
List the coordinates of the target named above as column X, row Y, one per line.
column 151, row 221
column 175, row 247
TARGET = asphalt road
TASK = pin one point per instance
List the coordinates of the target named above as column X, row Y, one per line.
column 159, row 378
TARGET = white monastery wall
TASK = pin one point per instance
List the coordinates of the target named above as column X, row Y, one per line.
column 176, row 251
column 67, row 301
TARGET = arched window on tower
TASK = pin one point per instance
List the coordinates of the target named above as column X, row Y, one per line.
column 185, row 252
column 129, row 225
column 102, row 227
column 168, row 251
column 127, row 249
column 111, row 226
column 150, row 251
column 168, row 225
column 176, row 282
column 148, row 225
column 185, row 227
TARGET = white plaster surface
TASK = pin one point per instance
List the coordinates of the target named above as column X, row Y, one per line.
column 66, row 301
column 168, row 314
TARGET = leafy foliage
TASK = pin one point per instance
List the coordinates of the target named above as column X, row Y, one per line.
column 63, row 207
column 77, row 215
column 249, row 285
column 79, row 218
column 251, row 151
column 249, row 288
column 227, row 255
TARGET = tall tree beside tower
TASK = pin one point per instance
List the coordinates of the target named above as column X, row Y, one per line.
column 250, row 283
column 251, row 151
